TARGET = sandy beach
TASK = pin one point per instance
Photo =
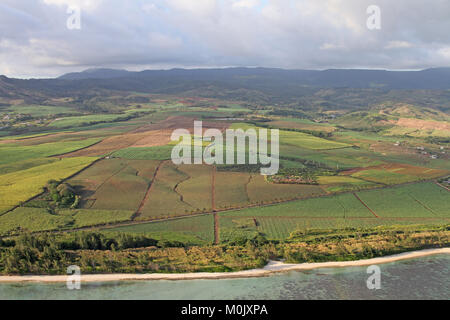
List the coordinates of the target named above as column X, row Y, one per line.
column 271, row 268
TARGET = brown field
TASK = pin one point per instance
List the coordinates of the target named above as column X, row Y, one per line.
column 423, row 124
column 231, row 189
column 114, row 184
column 259, row 190
column 111, row 144
column 163, row 200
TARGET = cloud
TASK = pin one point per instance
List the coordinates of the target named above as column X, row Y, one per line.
column 87, row 5
column 309, row 34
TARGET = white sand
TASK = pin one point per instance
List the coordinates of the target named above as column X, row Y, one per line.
column 270, row 268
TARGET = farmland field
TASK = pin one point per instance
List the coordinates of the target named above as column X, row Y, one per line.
column 330, row 178
column 85, row 120
column 343, row 183
column 259, row 190
column 235, row 196
column 19, row 186
column 193, row 230
column 196, row 189
column 115, row 184
column 414, row 200
column 38, row 219
column 10, row 153
column 150, row 153
column 164, row 201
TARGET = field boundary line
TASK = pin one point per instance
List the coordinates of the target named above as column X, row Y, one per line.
column 111, row 176
column 179, row 183
column 365, row 205
column 147, row 194
column 73, row 151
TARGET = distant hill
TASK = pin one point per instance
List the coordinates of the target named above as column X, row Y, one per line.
column 328, row 89
column 258, row 78
column 100, row 73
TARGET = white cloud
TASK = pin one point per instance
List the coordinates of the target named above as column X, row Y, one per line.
column 245, row 3
column 273, row 33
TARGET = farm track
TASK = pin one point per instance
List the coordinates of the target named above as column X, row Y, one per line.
column 423, row 205
column 178, row 184
column 442, row 186
column 110, row 177
column 147, row 194
column 365, row 205
column 246, row 187
column 133, row 223
column 337, row 218
column 81, row 149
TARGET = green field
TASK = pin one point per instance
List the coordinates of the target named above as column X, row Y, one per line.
column 343, row 206
column 151, row 153
column 424, row 200
column 193, row 230
column 235, row 196
column 196, row 190
column 40, row 110
column 86, row 120
column 10, row 153
column 37, row 219
column 19, row 186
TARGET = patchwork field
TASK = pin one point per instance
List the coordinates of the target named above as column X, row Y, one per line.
column 136, row 182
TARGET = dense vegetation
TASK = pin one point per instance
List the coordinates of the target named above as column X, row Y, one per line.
column 100, row 253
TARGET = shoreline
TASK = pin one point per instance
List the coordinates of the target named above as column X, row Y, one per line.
column 271, row 268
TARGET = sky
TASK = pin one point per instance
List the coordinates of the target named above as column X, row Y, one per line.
column 42, row 38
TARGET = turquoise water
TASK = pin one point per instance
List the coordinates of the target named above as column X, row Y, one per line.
column 422, row 278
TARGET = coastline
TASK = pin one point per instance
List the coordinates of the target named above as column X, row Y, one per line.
column 271, row 268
